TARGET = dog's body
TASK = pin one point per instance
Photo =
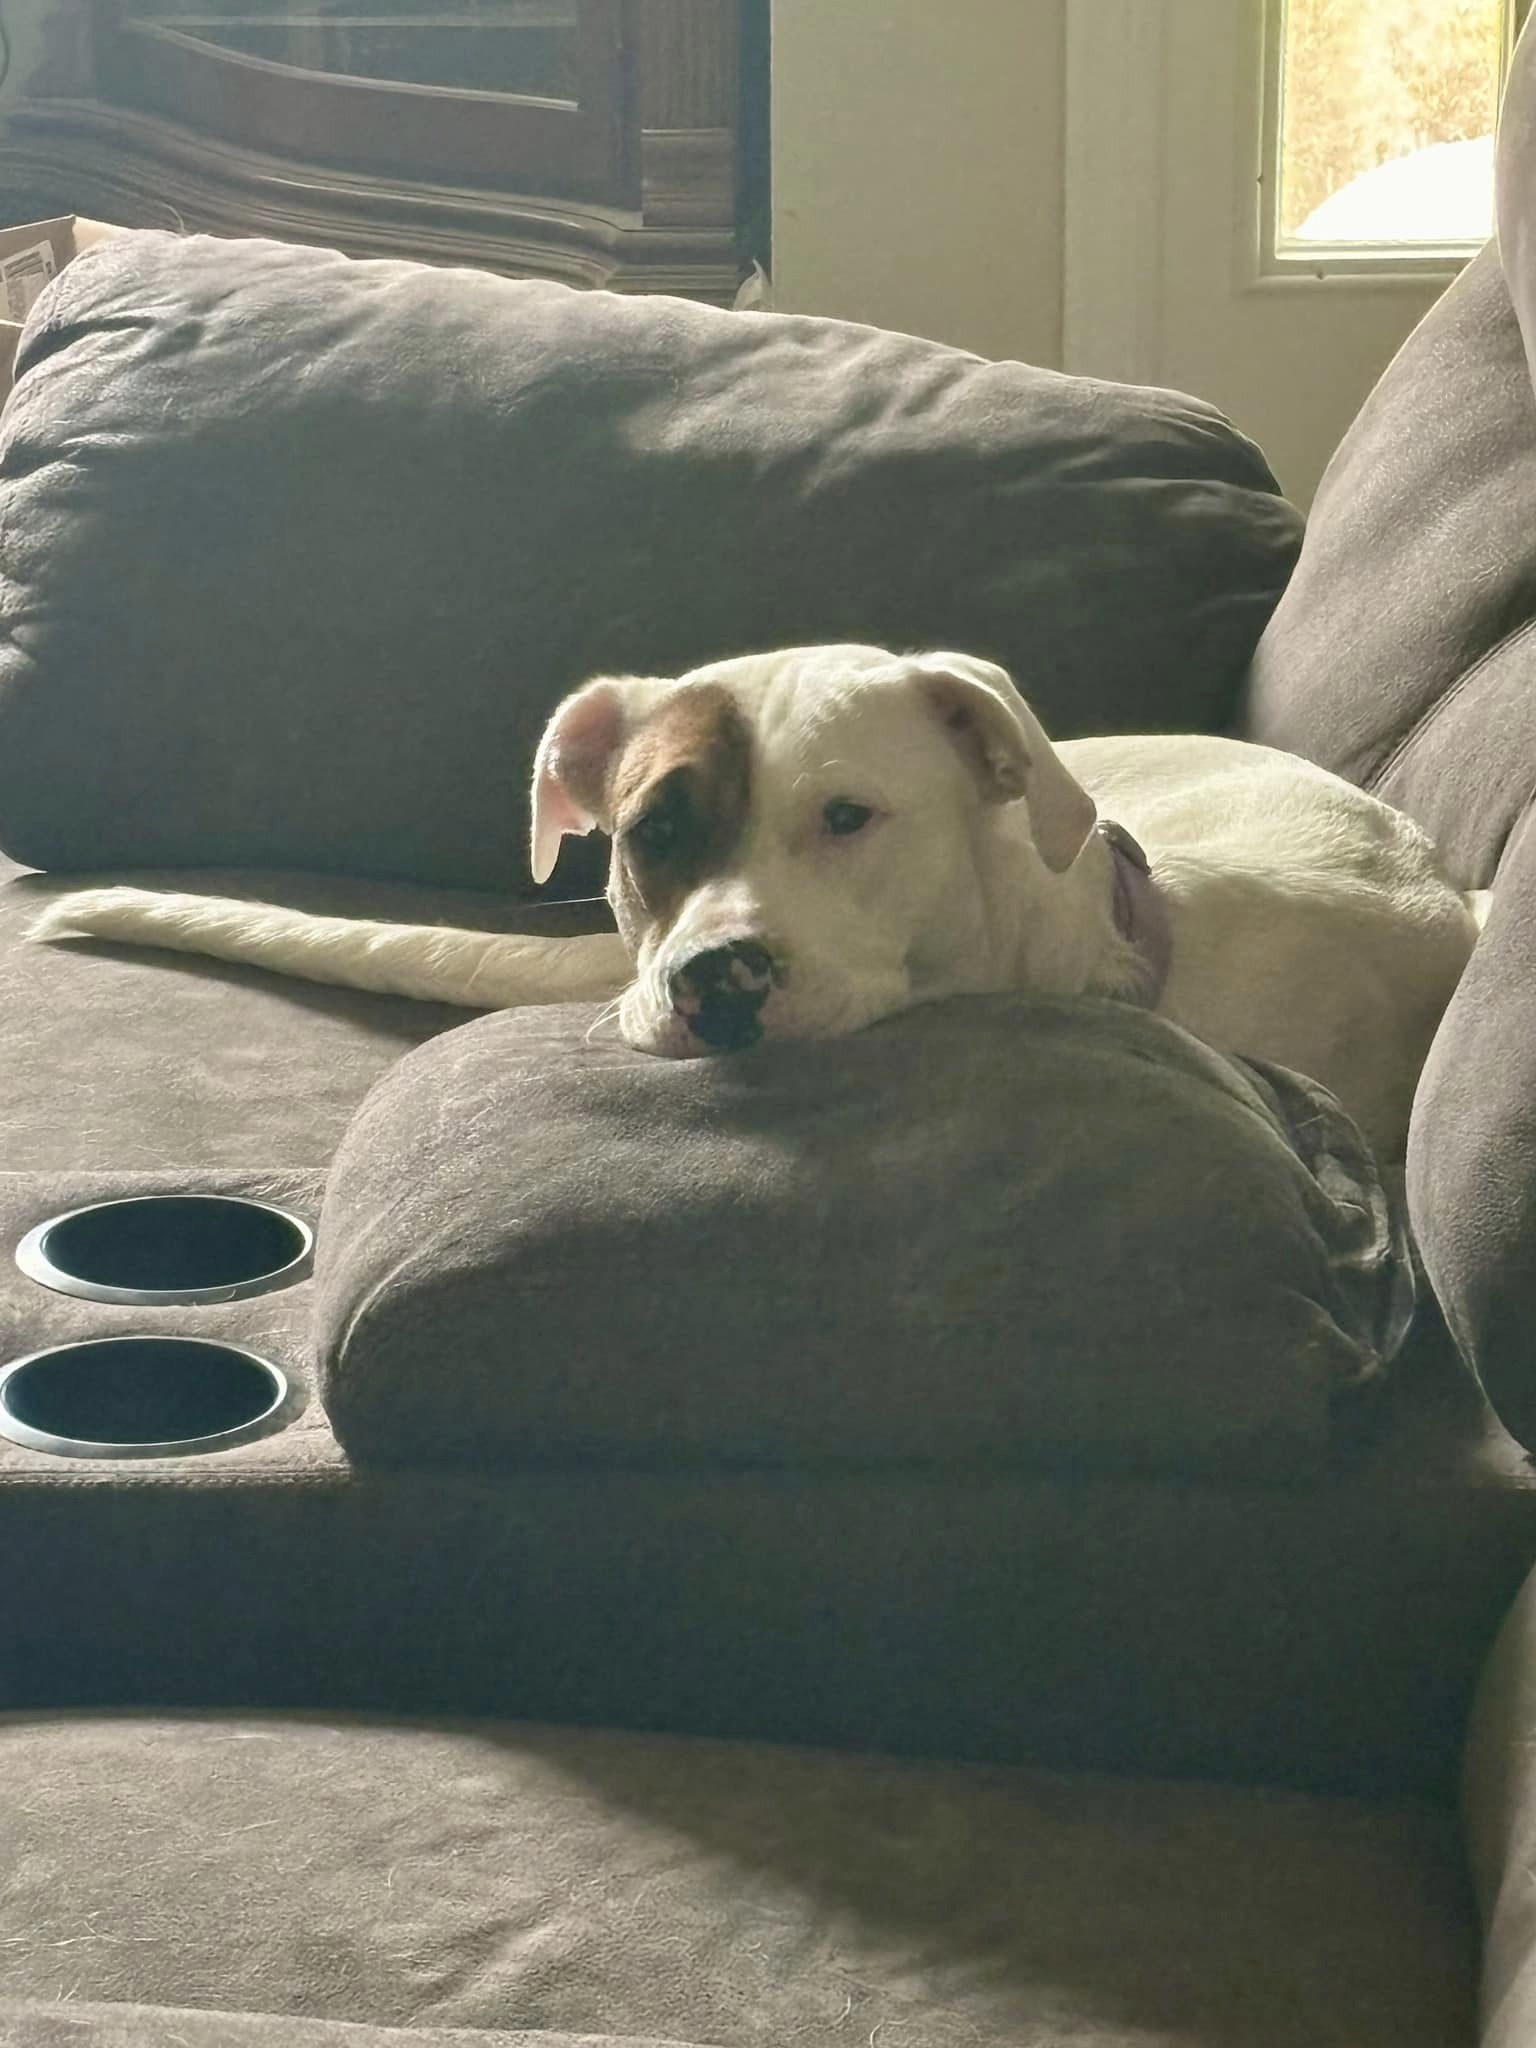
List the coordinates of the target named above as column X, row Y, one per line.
column 810, row 840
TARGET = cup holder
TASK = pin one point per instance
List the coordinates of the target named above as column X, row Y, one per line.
column 143, row 1397
column 157, row 1251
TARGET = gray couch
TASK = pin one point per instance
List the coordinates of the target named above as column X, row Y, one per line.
column 946, row 1538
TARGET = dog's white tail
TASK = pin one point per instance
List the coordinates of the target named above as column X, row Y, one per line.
column 478, row 970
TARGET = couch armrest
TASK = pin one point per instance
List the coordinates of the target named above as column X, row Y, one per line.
column 1499, row 1811
column 1472, row 1152
column 984, row 1233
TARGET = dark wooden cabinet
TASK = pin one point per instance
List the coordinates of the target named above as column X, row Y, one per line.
column 594, row 141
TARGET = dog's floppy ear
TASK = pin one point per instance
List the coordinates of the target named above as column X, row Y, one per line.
column 576, row 754
column 1005, row 747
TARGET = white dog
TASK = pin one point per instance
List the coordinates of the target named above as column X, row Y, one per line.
column 806, row 841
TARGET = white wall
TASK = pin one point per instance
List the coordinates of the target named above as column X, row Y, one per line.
column 918, row 152
column 921, row 159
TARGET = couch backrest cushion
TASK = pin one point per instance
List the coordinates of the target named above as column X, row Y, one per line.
column 298, row 552
column 1401, row 652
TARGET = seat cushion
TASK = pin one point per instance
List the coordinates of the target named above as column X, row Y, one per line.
column 299, row 552
column 987, row 1232
column 491, row 1875
column 116, row 1058
column 76, row 2023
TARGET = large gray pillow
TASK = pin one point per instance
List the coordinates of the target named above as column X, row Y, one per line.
column 299, row 552
column 983, row 1233
column 1400, row 654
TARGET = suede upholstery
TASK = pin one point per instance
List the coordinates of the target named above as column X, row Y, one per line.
column 82, row 2023
column 947, row 1307
column 1401, row 656
column 502, row 1876
column 1323, row 1635
column 1499, row 1809
column 414, row 510
column 416, row 505
column 188, row 1063
column 1398, row 654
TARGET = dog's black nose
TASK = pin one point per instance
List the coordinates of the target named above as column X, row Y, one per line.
column 720, row 994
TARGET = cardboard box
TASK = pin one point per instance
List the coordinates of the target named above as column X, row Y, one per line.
column 29, row 257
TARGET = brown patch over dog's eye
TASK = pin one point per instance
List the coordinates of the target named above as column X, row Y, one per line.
column 680, row 795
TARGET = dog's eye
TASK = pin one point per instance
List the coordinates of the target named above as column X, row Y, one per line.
column 654, row 834
column 843, row 818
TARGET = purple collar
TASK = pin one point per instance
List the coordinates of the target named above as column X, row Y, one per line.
column 1141, row 915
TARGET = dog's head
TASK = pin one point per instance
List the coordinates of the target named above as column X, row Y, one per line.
column 809, row 840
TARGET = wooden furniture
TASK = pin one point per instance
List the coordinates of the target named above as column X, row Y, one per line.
column 593, row 141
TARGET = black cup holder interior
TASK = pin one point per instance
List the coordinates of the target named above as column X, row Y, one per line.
column 143, row 1397
column 153, row 1250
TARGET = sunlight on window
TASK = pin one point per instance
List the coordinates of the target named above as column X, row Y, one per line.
column 1386, row 120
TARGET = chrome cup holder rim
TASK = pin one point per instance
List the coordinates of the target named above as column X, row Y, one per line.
column 32, row 1256
column 285, row 1405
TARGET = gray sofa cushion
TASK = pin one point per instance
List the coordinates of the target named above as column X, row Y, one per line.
column 79, row 2023
column 902, row 1246
column 1402, row 655
column 188, row 1063
column 299, row 551
column 1499, row 1813
column 1326, row 1636
column 1472, row 1153
column 491, row 1875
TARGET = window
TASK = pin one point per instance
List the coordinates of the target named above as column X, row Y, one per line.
column 1380, row 129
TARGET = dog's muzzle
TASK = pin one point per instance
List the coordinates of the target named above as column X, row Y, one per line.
column 719, row 994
